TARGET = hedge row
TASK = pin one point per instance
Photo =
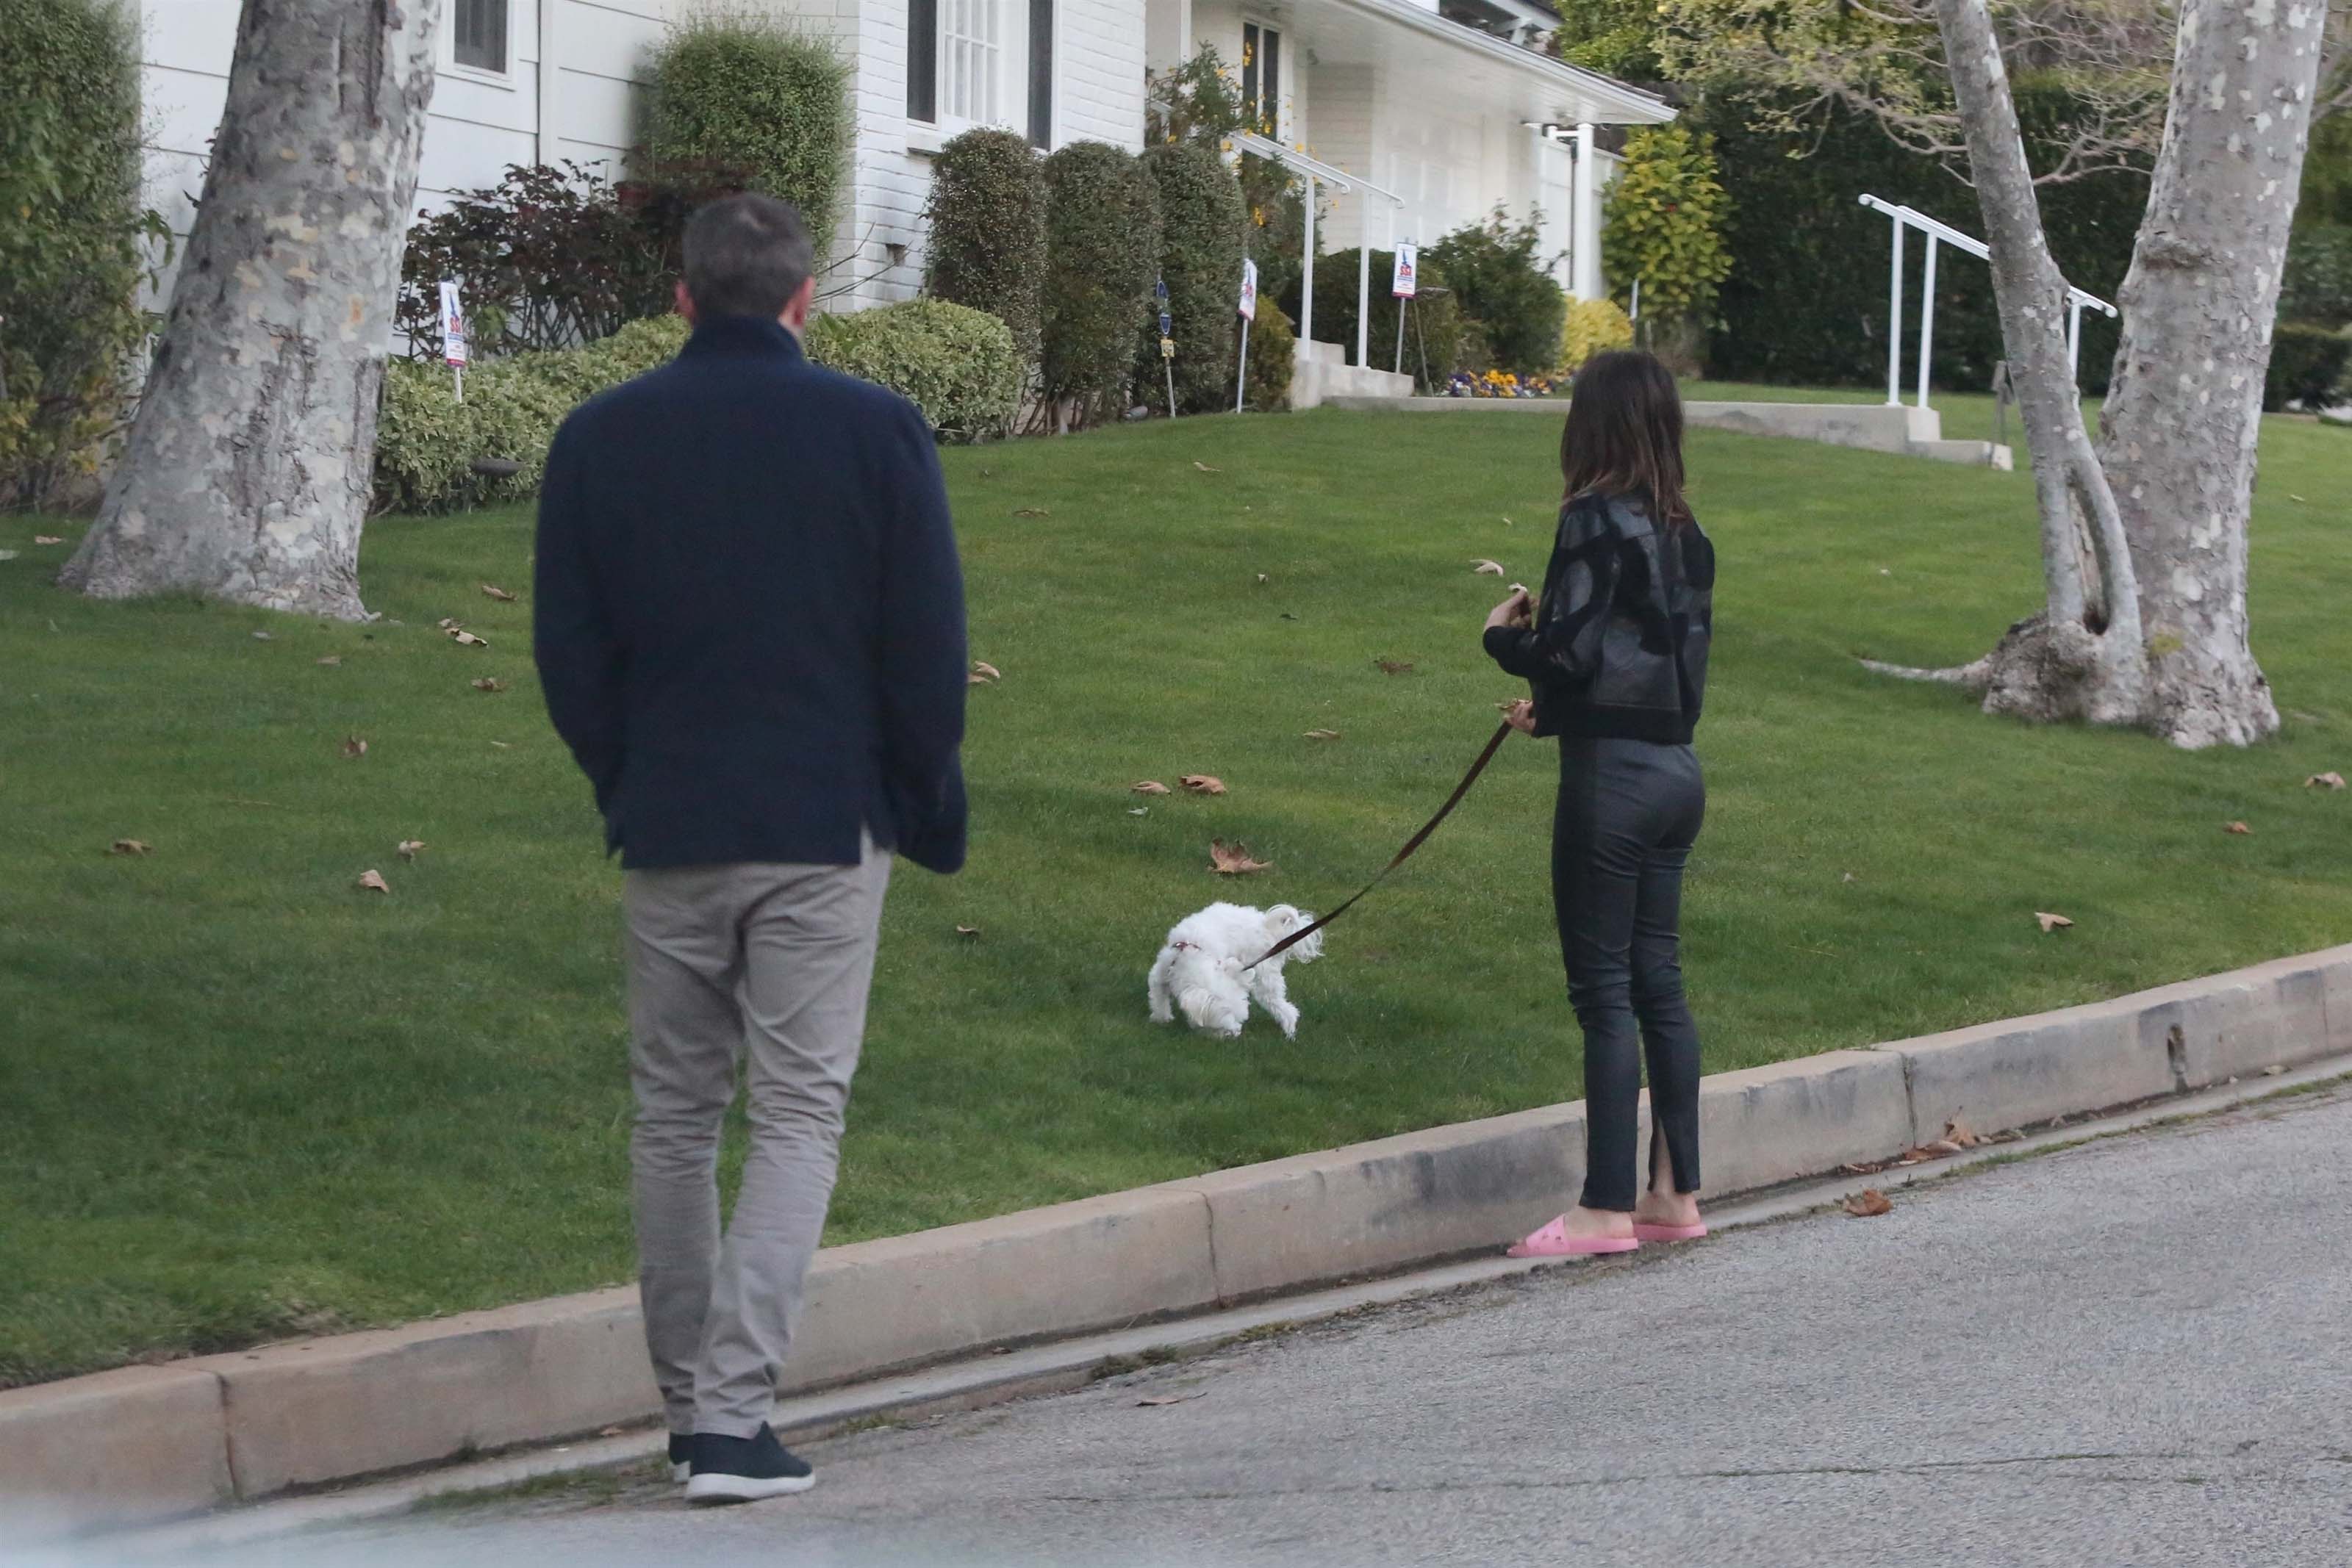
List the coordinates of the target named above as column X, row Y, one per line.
column 958, row 365
column 1102, row 251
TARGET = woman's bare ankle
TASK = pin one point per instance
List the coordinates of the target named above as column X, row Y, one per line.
column 1583, row 1221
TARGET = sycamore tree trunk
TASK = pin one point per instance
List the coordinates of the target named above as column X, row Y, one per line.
column 2144, row 539
column 2184, row 411
column 246, row 474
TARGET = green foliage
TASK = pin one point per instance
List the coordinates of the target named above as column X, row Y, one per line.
column 1616, row 37
column 1436, row 334
column 1102, row 248
column 1200, row 101
column 987, row 225
column 1272, row 357
column 746, row 90
column 1664, row 225
column 2307, row 365
column 1592, row 326
column 2327, row 194
column 1201, row 225
column 70, row 226
column 2317, row 286
column 1805, row 303
column 1504, row 291
column 959, row 365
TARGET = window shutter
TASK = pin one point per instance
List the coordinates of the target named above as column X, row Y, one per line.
column 923, row 60
column 1041, row 73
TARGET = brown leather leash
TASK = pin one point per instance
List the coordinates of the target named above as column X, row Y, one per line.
column 1502, row 733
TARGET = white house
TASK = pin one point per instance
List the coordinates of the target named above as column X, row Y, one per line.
column 1436, row 111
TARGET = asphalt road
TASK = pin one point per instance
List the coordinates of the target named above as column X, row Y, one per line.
column 2132, row 1352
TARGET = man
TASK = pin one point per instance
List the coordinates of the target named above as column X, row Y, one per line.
column 750, row 629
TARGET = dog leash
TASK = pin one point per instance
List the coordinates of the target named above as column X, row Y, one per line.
column 1502, row 733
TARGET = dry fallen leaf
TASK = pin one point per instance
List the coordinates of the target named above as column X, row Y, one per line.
column 448, row 623
column 1149, row 786
column 1157, row 1400
column 1941, row 1148
column 1261, row 576
column 261, row 637
column 1868, row 1204
column 1392, row 667
column 130, row 847
column 1961, row 1134
column 354, row 747
column 502, row 746
column 2237, row 828
column 983, row 673
column 967, row 931
column 2325, row 781
column 1202, row 783
column 1863, row 1167
column 1139, row 810
column 332, row 660
column 2052, row 922
column 1322, row 735
column 1483, row 567
column 489, row 684
column 1204, row 467
column 1032, row 512
column 411, row 848
column 465, row 639
column 1234, row 860
column 46, row 539
column 500, row 594
column 372, row 880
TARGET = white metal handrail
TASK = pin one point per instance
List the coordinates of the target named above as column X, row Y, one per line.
column 1320, row 172
column 1938, row 234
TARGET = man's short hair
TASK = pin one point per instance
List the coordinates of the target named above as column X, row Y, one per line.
column 746, row 255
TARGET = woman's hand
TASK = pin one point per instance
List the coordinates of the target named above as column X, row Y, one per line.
column 1515, row 610
column 1521, row 716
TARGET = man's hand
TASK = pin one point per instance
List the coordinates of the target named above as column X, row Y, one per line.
column 1518, row 610
column 1521, row 716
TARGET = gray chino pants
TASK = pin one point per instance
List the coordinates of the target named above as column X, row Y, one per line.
column 768, row 966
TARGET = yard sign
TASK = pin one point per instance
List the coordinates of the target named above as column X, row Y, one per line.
column 1405, row 284
column 1249, row 290
column 1249, row 314
column 453, row 333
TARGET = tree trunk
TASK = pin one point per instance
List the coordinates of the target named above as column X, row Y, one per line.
column 2082, row 658
column 246, row 475
column 2184, row 412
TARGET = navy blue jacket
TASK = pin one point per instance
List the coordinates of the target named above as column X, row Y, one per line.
column 749, row 614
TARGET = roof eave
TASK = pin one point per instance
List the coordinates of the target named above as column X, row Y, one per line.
column 1623, row 104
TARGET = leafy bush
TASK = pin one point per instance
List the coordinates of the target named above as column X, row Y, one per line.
column 2307, row 366
column 1503, row 287
column 1664, row 225
column 959, row 365
column 987, row 225
column 2318, row 283
column 1273, row 356
column 70, row 225
column 1201, row 222
column 1806, row 302
column 1434, row 331
column 1102, row 244
column 746, row 90
column 1200, row 101
column 1592, row 326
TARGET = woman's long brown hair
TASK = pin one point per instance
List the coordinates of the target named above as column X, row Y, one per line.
column 1624, row 435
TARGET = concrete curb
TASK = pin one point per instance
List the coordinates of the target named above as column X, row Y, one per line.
column 144, row 1444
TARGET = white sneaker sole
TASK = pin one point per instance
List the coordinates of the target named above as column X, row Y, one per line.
column 744, row 1488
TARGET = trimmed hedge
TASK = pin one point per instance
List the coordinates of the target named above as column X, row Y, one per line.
column 751, row 94
column 1102, row 247
column 958, row 365
column 1436, row 334
column 2307, row 365
column 1591, row 327
column 1202, row 221
column 1504, row 289
column 1664, row 225
column 1272, row 357
column 986, row 219
column 1806, row 300
column 70, row 225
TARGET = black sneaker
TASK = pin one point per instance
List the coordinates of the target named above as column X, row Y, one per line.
column 681, row 1457
column 745, row 1469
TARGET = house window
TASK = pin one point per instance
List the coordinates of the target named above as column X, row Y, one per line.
column 981, row 62
column 478, row 34
column 1262, row 77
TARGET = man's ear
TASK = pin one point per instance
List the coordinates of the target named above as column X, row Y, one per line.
column 685, row 302
column 796, row 309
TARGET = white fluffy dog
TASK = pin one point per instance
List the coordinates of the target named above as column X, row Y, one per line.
column 1202, row 969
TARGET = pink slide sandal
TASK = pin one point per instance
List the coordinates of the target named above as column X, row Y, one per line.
column 1554, row 1241
column 1644, row 1231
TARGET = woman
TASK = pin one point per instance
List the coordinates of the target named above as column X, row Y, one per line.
column 1615, row 652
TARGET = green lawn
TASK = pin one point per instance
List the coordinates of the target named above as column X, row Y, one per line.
column 240, row 1097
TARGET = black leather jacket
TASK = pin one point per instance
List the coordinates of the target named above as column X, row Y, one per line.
column 1620, row 640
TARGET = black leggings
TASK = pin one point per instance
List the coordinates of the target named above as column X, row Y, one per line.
column 1629, row 811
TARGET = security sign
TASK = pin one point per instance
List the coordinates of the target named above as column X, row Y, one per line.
column 1249, row 290
column 1404, row 285
column 453, row 325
